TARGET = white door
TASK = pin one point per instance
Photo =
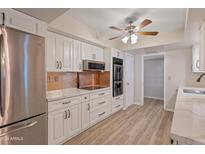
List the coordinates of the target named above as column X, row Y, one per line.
column 77, row 55
column 50, row 52
column 56, row 126
column 129, row 79
column 74, row 115
column 85, row 115
column 67, row 54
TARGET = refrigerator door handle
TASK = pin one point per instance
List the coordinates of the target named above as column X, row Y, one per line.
column 1, row 56
column 20, row 127
column 3, row 62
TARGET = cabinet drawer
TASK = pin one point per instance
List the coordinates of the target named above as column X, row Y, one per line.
column 97, row 103
column 117, row 98
column 100, row 94
column 117, row 105
column 55, row 105
column 85, row 97
column 100, row 113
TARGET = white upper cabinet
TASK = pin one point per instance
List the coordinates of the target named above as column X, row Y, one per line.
column 51, row 64
column 58, row 53
column 23, row 22
column 67, row 54
column 77, row 56
column 195, row 58
column 117, row 53
column 198, row 52
column 91, row 52
column 202, row 48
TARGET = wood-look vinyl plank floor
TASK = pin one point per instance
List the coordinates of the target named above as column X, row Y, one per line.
column 147, row 124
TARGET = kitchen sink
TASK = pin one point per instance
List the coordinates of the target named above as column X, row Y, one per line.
column 194, row 91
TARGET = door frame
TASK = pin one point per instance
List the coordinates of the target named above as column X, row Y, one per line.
column 142, row 76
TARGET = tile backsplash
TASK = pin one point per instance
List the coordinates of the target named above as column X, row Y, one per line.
column 61, row 80
column 57, row 81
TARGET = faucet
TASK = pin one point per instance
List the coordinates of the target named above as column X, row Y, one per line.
column 199, row 79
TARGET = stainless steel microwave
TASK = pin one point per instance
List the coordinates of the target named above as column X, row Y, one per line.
column 90, row 65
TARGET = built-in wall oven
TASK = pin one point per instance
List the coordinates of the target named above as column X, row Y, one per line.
column 117, row 76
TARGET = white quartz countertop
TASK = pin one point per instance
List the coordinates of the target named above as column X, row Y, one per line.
column 188, row 125
column 71, row 92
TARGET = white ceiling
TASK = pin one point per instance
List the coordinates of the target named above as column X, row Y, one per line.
column 44, row 14
column 164, row 20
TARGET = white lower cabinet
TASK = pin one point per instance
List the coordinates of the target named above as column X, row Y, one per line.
column 117, row 103
column 74, row 116
column 85, row 115
column 64, row 123
column 68, row 117
column 56, row 126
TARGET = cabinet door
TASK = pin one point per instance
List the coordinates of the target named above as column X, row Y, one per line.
column 98, row 54
column 56, row 133
column 202, row 48
column 85, row 115
column 195, row 58
column 77, row 55
column 74, row 115
column 59, row 51
column 50, row 52
column 67, row 54
column 21, row 21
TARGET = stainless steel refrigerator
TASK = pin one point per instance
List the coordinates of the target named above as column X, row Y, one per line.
column 23, row 95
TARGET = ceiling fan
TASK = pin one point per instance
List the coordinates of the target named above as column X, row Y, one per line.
column 133, row 31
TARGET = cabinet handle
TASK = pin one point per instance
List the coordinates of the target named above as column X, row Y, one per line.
column 57, row 64
column 88, row 107
column 65, row 115
column 79, row 67
column 117, row 98
column 197, row 64
column 101, row 102
column 68, row 113
column 60, row 64
column 101, row 114
column 118, row 106
column 100, row 94
column 66, row 102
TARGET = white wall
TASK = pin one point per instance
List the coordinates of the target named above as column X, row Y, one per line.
column 154, row 78
column 177, row 74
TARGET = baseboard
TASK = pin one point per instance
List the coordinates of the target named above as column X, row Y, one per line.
column 154, row 97
column 138, row 103
column 170, row 110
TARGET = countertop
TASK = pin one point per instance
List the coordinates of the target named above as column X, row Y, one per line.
column 71, row 92
column 188, row 125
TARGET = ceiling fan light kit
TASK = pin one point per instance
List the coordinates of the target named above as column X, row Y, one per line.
column 133, row 32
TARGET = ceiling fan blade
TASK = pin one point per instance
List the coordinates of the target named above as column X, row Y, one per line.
column 147, row 33
column 144, row 23
column 116, row 28
column 112, row 38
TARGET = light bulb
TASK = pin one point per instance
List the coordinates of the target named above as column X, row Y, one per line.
column 125, row 39
column 134, row 39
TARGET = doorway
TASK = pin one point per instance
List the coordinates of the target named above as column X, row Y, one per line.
column 153, row 78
